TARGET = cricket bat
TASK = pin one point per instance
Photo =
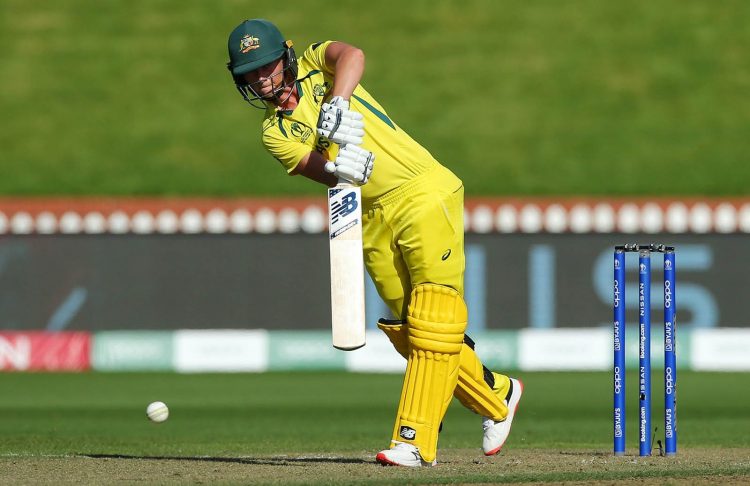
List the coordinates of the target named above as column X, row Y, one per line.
column 347, row 266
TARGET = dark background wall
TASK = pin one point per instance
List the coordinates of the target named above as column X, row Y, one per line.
column 282, row 281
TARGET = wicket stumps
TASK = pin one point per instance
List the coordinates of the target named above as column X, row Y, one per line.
column 644, row 348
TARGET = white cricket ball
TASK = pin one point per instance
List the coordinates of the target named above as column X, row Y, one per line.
column 157, row 412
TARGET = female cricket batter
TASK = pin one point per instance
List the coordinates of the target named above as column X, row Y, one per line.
column 321, row 123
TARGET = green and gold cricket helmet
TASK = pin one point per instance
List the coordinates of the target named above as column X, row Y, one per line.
column 255, row 43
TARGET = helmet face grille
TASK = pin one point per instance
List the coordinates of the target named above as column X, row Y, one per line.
column 288, row 77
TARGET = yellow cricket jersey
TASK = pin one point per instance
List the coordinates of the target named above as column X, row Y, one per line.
column 289, row 135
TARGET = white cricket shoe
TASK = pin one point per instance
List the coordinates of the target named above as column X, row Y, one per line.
column 496, row 433
column 402, row 454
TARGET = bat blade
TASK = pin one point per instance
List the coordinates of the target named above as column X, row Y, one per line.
column 347, row 267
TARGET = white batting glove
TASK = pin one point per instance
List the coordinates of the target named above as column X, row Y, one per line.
column 353, row 164
column 339, row 124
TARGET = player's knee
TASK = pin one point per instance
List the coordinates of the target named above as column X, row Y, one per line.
column 437, row 314
column 439, row 304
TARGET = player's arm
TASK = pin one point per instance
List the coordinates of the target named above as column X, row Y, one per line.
column 348, row 64
column 312, row 166
column 336, row 121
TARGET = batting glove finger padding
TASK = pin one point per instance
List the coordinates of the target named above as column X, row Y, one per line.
column 342, row 133
column 353, row 164
column 339, row 124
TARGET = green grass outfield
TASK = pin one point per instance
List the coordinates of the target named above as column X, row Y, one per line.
column 326, row 428
column 525, row 98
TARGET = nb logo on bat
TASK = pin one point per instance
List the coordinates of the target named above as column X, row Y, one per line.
column 343, row 207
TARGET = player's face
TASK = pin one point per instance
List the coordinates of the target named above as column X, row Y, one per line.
column 267, row 81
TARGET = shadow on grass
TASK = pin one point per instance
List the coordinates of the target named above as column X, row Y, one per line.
column 268, row 461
